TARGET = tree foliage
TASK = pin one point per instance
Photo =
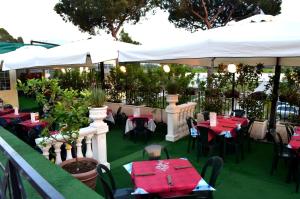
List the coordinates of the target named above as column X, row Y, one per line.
column 6, row 37
column 110, row 15
column 124, row 37
column 207, row 14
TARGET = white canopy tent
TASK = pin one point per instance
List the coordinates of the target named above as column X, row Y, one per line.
column 249, row 43
column 81, row 53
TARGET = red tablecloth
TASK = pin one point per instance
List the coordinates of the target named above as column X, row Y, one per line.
column 183, row 180
column 28, row 124
column 149, row 117
column 225, row 124
column 295, row 142
column 6, row 111
column 11, row 116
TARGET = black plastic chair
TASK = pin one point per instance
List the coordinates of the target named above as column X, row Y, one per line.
column 204, row 146
column 216, row 164
column 3, row 123
column 109, row 185
column 238, row 144
column 33, row 134
column 280, row 151
column 118, row 117
column 238, row 113
column 140, row 128
column 205, row 115
column 246, row 130
column 154, row 152
column 192, row 139
column 289, row 131
column 7, row 106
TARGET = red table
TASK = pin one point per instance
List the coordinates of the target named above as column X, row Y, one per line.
column 27, row 124
column 11, row 116
column 295, row 140
column 225, row 124
column 149, row 117
column 6, row 111
column 184, row 180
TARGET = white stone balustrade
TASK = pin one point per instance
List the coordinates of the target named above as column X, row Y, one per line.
column 176, row 119
column 95, row 139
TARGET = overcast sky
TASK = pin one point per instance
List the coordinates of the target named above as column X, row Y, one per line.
column 36, row 20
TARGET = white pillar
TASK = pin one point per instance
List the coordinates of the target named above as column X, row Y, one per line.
column 172, row 118
column 57, row 150
column 78, row 145
column 69, row 151
column 88, row 141
column 99, row 139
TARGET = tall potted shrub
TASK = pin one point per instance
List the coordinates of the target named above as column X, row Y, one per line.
column 70, row 114
column 172, row 89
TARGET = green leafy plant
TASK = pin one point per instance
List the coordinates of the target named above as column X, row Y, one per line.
column 97, row 97
column 172, row 87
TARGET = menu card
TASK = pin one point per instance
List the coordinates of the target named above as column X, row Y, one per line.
column 136, row 112
column 16, row 110
column 213, row 119
column 34, row 117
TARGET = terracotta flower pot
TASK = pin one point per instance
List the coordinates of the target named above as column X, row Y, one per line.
column 88, row 177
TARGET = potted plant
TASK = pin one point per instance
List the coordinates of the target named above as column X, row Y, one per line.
column 98, row 110
column 70, row 114
column 172, row 89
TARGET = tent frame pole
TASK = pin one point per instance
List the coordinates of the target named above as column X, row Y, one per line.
column 272, row 121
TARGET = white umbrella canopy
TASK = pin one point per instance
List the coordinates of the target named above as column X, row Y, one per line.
column 80, row 53
column 249, row 43
column 24, row 56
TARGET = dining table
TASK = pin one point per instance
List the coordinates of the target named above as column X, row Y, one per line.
column 130, row 125
column 6, row 111
column 294, row 143
column 166, row 178
column 12, row 116
column 28, row 124
column 225, row 126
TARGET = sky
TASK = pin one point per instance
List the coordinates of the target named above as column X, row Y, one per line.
column 36, row 20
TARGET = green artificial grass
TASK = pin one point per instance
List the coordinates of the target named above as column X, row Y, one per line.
column 248, row 179
column 68, row 186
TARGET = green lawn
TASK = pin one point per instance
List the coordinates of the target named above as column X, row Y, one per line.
column 249, row 179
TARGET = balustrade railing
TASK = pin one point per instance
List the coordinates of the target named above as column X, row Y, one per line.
column 11, row 185
column 95, row 141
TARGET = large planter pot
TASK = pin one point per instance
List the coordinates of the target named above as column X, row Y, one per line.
column 98, row 113
column 172, row 100
column 88, row 177
column 259, row 130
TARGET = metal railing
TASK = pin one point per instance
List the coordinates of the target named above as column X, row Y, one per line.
column 11, row 185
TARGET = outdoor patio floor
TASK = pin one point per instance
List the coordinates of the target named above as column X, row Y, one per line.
column 249, row 179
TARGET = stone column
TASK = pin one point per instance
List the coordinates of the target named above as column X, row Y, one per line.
column 172, row 118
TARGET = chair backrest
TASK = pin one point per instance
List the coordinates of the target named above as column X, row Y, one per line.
column 190, row 121
column 277, row 143
column 105, row 174
column 108, row 194
column 217, row 164
column 206, row 115
column 154, row 151
column 203, row 131
column 238, row 113
column 119, row 110
column 140, row 123
column 7, row 106
column 288, row 131
column 3, row 123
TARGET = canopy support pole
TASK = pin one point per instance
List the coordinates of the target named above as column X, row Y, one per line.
column 102, row 74
column 272, row 122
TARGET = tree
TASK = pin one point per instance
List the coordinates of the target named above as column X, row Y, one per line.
column 207, row 14
column 110, row 15
column 5, row 36
column 124, row 37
